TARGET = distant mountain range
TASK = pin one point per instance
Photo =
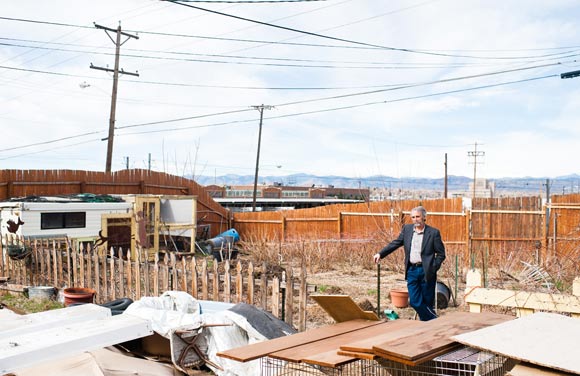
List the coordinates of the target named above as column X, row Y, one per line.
column 526, row 185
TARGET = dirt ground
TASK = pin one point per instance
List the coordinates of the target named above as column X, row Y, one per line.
column 361, row 285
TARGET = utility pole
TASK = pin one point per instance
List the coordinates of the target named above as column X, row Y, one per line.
column 116, row 72
column 260, row 108
column 475, row 153
column 445, row 185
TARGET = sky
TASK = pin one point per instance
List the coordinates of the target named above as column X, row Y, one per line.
column 352, row 88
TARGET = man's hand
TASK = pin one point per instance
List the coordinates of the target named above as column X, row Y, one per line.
column 377, row 258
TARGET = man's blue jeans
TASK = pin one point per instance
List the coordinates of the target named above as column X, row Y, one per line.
column 421, row 293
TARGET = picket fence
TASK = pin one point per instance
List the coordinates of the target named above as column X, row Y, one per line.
column 115, row 276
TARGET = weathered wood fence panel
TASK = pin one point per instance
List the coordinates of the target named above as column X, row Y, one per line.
column 118, row 277
column 483, row 231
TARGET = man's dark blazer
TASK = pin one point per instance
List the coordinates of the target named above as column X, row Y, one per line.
column 432, row 249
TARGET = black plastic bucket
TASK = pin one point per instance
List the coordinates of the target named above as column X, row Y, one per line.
column 443, row 295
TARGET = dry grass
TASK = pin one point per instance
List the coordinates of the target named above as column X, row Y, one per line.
column 346, row 267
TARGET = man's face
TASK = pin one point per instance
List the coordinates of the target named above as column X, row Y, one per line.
column 418, row 220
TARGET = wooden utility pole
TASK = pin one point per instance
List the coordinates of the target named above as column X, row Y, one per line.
column 261, row 109
column 116, row 72
column 445, row 183
column 475, row 153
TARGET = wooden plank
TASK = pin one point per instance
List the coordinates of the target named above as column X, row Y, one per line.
column 23, row 350
column 358, row 355
column 394, row 330
column 342, row 308
column 303, row 352
column 545, row 339
column 331, row 359
column 261, row 349
column 435, row 338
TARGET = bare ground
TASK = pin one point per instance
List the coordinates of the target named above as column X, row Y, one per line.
column 362, row 286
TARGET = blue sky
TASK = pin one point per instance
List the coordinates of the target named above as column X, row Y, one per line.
column 382, row 88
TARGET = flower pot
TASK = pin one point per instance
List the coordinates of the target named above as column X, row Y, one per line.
column 78, row 295
column 400, row 298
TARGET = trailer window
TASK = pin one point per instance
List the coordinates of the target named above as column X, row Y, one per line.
column 49, row 221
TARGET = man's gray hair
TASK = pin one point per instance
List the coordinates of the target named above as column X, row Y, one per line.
column 421, row 210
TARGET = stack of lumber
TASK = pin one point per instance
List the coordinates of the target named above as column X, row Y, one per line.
column 406, row 341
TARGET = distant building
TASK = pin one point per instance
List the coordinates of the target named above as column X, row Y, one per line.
column 278, row 196
column 483, row 189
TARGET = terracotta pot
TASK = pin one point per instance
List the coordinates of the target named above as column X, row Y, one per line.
column 78, row 295
column 400, row 298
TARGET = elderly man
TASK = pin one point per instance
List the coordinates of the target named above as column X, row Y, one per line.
column 424, row 254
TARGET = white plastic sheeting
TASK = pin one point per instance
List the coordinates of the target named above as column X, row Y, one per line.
column 218, row 330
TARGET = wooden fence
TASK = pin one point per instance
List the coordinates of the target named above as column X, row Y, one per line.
column 486, row 229
column 22, row 183
column 112, row 278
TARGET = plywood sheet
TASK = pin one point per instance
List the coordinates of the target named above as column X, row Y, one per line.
column 327, row 349
column 527, row 369
column 546, row 339
column 258, row 350
column 434, row 338
column 342, row 308
column 394, row 330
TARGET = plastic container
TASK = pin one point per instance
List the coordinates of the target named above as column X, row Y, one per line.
column 231, row 232
column 41, row 292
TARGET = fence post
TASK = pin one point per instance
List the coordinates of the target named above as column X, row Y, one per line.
column 264, row 288
column 289, row 296
column 251, row 282
column 473, row 281
column 303, row 298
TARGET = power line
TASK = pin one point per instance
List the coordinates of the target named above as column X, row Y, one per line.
column 407, row 50
column 362, row 46
column 294, row 114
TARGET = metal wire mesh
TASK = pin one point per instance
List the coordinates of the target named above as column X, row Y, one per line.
column 275, row 367
column 462, row 362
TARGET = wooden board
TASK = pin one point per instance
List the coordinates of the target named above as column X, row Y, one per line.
column 258, row 350
column 434, row 339
column 394, row 330
column 358, row 355
column 325, row 352
column 54, row 342
column 527, row 369
column 342, row 308
column 546, row 339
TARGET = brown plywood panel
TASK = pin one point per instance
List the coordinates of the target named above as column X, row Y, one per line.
column 435, row 338
column 330, row 359
column 342, row 308
column 258, row 350
column 358, row 355
column 545, row 339
column 332, row 344
column 395, row 329
column 527, row 369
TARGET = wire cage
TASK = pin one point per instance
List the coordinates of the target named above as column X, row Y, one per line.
column 465, row 361
column 275, row 367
